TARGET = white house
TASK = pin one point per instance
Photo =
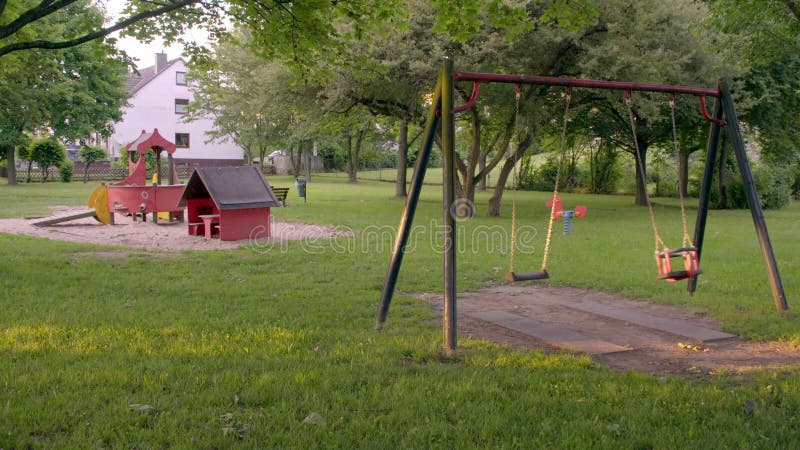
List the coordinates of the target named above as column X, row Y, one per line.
column 159, row 98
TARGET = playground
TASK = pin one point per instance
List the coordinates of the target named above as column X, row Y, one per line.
column 147, row 345
column 148, row 235
column 639, row 348
column 103, row 344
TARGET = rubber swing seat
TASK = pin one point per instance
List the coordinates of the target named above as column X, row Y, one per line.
column 528, row 276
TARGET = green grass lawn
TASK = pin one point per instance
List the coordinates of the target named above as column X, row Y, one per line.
column 236, row 348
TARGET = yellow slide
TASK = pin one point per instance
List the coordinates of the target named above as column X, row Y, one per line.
column 98, row 200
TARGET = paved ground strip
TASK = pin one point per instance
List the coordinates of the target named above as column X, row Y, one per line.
column 552, row 334
column 674, row 326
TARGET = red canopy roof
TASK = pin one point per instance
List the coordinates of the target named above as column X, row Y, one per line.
column 153, row 140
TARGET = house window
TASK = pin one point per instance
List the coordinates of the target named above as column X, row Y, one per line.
column 181, row 106
column 180, row 78
column 182, row 140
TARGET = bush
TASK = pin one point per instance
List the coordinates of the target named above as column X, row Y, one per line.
column 89, row 155
column 47, row 152
column 774, row 185
column 541, row 179
column 735, row 193
column 603, row 171
column 66, row 170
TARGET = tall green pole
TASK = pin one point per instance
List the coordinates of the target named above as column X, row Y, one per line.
column 404, row 229
column 705, row 189
column 448, row 202
column 752, row 199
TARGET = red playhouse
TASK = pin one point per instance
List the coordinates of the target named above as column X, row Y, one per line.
column 232, row 202
column 133, row 195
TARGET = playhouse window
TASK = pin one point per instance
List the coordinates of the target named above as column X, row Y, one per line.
column 181, row 106
column 182, row 140
column 180, row 78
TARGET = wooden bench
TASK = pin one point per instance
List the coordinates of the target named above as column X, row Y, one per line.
column 280, row 194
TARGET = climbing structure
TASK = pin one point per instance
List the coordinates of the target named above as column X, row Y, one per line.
column 133, row 195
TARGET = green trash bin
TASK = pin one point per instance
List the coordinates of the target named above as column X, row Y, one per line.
column 301, row 187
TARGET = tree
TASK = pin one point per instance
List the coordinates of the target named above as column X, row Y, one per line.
column 767, row 35
column 72, row 92
column 261, row 105
column 650, row 41
column 301, row 33
column 760, row 32
column 24, row 153
column 90, row 155
column 25, row 24
column 47, row 152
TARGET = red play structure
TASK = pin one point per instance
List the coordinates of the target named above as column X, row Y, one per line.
column 133, row 195
column 230, row 202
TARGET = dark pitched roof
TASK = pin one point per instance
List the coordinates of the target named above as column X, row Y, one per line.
column 238, row 187
column 137, row 81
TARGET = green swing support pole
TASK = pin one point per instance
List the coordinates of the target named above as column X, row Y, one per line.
column 448, row 201
column 705, row 188
column 404, row 229
column 752, row 199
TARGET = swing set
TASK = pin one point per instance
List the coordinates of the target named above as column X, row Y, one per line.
column 441, row 118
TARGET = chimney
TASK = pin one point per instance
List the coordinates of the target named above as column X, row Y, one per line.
column 161, row 61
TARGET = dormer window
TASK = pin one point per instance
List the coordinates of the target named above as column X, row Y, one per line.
column 181, row 106
column 180, row 78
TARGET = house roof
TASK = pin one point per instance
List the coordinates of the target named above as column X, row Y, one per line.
column 137, row 81
column 237, row 187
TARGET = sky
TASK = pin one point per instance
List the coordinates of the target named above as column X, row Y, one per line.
column 144, row 54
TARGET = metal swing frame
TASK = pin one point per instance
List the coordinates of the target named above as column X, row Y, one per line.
column 440, row 117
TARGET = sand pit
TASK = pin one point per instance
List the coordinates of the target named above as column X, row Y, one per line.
column 151, row 236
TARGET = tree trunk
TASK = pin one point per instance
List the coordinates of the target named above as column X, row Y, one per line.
column 296, row 159
column 402, row 160
column 12, row 165
column 309, row 156
column 482, row 170
column 86, row 172
column 468, row 189
column 30, row 167
column 247, row 154
column 641, row 175
column 722, row 173
column 497, row 195
column 353, row 174
column 467, row 170
column 352, row 169
column 683, row 174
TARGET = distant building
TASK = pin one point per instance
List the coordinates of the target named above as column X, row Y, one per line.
column 159, row 98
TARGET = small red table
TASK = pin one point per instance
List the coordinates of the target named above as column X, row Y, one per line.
column 209, row 221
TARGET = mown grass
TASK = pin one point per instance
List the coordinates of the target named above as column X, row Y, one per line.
column 236, row 348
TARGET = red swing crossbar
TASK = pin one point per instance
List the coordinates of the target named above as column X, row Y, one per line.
column 691, row 264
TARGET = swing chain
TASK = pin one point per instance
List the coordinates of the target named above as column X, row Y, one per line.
column 562, row 152
column 658, row 241
column 516, row 184
column 687, row 240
